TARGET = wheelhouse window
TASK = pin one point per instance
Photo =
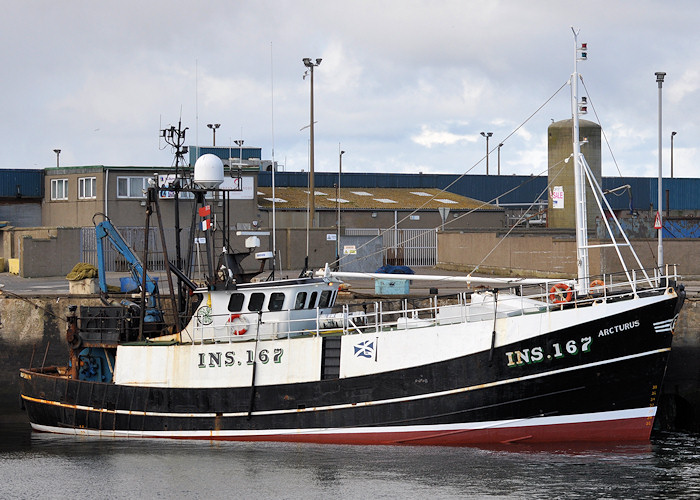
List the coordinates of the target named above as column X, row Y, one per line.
column 276, row 301
column 87, row 188
column 132, row 187
column 325, row 298
column 59, row 189
column 256, row 301
column 300, row 300
column 235, row 303
column 312, row 300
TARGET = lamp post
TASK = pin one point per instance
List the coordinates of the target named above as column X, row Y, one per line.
column 337, row 202
column 660, row 81
column 312, row 204
column 213, row 127
column 58, row 153
column 672, row 134
column 499, row 158
column 487, row 135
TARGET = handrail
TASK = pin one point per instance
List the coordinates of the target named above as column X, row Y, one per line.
column 512, row 301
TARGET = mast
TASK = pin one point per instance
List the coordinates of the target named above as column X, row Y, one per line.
column 176, row 139
column 580, row 54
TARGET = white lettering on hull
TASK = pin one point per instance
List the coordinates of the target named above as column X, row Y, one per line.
column 619, row 328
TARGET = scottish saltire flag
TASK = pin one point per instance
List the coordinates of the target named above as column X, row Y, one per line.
column 364, row 349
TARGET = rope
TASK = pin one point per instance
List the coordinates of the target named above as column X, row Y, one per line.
column 36, row 306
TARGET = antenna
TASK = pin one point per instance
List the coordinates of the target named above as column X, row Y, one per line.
column 196, row 108
column 578, row 108
column 160, row 127
column 274, row 198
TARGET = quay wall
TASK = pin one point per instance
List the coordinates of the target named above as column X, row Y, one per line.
column 679, row 407
column 549, row 253
column 32, row 329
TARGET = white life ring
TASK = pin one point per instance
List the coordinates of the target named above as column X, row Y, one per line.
column 237, row 324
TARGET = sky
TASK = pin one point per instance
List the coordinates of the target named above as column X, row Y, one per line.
column 403, row 86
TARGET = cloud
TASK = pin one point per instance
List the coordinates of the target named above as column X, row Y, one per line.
column 688, row 84
column 429, row 138
column 402, row 85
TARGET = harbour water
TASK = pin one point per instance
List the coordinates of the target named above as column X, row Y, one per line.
column 34, row 465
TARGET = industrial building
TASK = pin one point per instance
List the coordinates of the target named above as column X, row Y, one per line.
column 408, row 210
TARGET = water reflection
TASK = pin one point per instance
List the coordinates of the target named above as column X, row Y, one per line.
column 64, row 466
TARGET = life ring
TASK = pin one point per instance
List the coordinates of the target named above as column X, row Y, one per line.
column 560, row 293
column 237, row 324
column 597, row 284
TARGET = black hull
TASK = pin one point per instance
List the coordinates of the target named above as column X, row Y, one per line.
column 603, row 387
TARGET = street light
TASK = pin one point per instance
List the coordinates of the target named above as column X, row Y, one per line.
column 660, row 80
column 213, row 127
column 312, row 204
column 487, row 135
column 499, row 158
column 58, row 152
column 672, row 134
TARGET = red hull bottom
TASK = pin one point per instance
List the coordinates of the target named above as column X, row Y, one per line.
column 625, row 430
column 548, row 430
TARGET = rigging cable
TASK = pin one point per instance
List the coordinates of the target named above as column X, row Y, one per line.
column 522, row 217
column 522, row 124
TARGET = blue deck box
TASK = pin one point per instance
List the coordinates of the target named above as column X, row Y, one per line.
column 391, row 287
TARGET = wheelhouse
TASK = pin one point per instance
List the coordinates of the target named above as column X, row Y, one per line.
column 280, row 309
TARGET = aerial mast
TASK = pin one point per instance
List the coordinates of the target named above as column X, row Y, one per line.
column 175, row 137
column 577, row 108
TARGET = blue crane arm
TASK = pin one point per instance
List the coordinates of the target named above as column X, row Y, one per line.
column 105, row 229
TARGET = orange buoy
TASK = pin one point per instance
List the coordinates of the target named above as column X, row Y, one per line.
column 241, row 324
column 596, row 284
column 560, row 293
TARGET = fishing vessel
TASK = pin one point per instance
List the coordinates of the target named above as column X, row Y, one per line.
column 503, row 361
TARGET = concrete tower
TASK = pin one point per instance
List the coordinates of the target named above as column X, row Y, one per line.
column 561, row 208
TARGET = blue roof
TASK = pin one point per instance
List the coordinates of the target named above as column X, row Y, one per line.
column 223, row 152
column 21, row 183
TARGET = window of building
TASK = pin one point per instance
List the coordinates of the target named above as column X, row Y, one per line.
column 131, row 187
column 59, row 189
column 87, row 188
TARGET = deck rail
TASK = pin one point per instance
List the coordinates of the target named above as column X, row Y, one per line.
column 482, row 304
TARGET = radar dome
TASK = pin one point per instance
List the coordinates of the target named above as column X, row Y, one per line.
column 209, row 171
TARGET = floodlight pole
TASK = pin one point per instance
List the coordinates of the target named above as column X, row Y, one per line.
column 487, row 135
column 213, row 127
column 672, row 134
column 312, row 203
column 660, row 80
